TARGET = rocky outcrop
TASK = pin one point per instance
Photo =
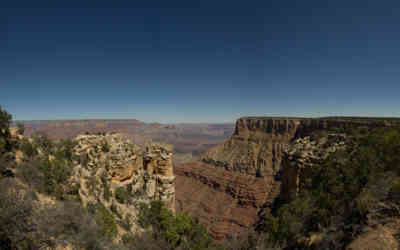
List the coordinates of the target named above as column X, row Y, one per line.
column 120, row 175
column 159, row 176
column 250, row 161
column 302, row 154
column 257, row 144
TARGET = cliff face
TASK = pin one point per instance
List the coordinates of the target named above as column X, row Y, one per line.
column 244, row 173
column 226, row 202
column 118, row 174
column 257, row 144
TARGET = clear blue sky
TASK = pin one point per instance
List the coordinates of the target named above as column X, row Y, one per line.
column 199, row 61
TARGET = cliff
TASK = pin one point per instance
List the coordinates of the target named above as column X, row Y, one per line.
column 120, row 175
column 244, row 173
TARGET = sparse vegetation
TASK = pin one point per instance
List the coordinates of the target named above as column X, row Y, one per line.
column 342, row 194
column 105, row 220
column 351, row 190
column 5, row 120
column 105, row 147
column 28, row 148
column 122, row 195
column 177, row 231
column 20, row 128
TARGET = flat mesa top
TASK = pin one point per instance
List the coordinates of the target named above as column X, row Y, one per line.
column 346, row 118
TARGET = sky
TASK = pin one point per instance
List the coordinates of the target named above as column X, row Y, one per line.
column 199, row 61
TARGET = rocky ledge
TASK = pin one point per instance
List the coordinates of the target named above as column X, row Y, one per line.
column 120, row 175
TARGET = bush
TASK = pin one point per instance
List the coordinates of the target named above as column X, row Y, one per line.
column 114, row 209
column 30, row 173
column 105, row 147
column 28, row 148
column 5, row 121
column 107, row 193
column 91, row 184
column 50, row 177
column 128, row 239
column 395, row 188
column 16, row 209
column 105, row 220
column 20, row 128
column 56, row 174
column 64, row 149
column 42, row 141
column 342, row 190
column 178, row 231
column 365, row 202
column 122, row 195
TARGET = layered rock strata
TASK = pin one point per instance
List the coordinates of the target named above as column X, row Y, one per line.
column 226, row 202
column 250, row 162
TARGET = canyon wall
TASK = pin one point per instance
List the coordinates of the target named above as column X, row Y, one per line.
column 234, row 180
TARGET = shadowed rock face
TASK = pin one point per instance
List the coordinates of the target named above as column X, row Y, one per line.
column 226, row 202
column 242, row 175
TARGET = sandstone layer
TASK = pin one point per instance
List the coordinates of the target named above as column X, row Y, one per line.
column 225, row 202
column 236, row 179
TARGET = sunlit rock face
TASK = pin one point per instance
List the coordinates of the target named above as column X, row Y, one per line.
column 241, row 178
column 159, row 175
column 112, row 170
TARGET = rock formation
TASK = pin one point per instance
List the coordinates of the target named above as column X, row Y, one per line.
column 303, row 153
column 117, row 173
column 243, row 174
column 159, row 176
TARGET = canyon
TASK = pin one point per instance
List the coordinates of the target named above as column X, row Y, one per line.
column 232, row 185
column 189, row 140
column 239, row 180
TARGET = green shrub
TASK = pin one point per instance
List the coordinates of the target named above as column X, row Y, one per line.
column 28, row 148
column 42, row 141
column 107, row 193
column 16, row 210
column 178, row 230
column 56, row 174
column 395, row 188
column 105, row 147
column 5, row 121
column 20, row 128
column 105, row 220
column 2, row 145
column 91, row 184
column 128, row 239
column 114, row 209
column 365, row 202
column 65, row 149
column 341, row 189
column 122, row 195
